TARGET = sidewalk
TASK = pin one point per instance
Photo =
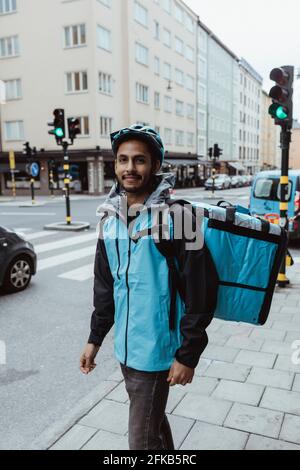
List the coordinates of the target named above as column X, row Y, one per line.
column 245, row 394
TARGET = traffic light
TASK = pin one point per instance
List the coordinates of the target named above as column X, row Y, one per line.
column 281, row 109
column 73, row 128
column 27, row 149
column 217, row 151
column 59, row 125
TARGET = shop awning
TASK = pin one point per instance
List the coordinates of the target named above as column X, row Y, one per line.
column 237, row 166
column 179, row 162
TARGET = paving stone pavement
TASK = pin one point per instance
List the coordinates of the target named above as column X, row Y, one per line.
column 245, row 393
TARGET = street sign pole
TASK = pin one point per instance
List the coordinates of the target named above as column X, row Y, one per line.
column 67, row 182
column 12, row 166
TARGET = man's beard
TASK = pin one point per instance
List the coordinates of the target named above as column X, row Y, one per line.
column 139, row 190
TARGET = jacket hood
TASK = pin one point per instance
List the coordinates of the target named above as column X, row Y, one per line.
column 116, row 202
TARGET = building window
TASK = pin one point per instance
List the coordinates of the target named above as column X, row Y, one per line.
column 75, row 35
column 13, row 89
column 179, row 46
column 167, row 71
column 168, row 104
column 8, row 6
column 167, row 37
column 77, row 81
column 142, row 93
column 179, row 108
column 179, row 138
column 105, row 83
column 202, row 121
column 190, row 111
column 168, row 136
column 105, row 126
column 9, row 47
column 190, row 83
column 179, row 77
column 156, row 65
column 156, row 30
column 202, row 94
column 156, row 100
column 141, row 54
column 202, row 68
column 104, row 38
column 179, row 13
column 140, row 14
column 189, row 23
column 189, row 51
column 190, row 139
column 166, row 4
column 14, row 130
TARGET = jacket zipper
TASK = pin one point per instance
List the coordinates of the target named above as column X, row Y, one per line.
column 118, row 255
column 126, row 334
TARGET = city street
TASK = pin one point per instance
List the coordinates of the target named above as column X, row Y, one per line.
column 45, row 327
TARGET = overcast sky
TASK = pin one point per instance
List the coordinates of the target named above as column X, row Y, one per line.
column 252, row 29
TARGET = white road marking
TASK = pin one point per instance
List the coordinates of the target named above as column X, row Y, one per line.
column 66, row 242
column 65, row 258
column 80, row 274
column 28, row 213
column 35, row 235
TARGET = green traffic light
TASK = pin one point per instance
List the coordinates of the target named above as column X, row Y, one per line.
column 278, row 112
column 59, row 132
column 281, row 113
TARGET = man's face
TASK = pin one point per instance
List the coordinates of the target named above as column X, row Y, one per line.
column 134, row 166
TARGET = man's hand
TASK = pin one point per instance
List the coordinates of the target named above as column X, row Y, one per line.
column 180, row 374
column 87, row 363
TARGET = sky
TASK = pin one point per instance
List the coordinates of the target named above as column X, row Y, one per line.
column 253, row 29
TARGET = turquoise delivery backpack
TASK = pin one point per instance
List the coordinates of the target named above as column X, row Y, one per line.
column 247, row 253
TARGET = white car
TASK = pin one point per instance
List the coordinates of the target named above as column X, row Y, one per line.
column 221, row 182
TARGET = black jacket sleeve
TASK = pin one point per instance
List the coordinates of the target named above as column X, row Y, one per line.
column 104, row 309
column 200, row 283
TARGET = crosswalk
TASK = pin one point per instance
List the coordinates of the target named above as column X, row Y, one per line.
column 63, row 251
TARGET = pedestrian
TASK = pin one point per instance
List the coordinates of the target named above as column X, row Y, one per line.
column 132, row 291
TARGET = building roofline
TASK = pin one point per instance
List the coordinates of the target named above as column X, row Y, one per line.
column 215, row 38
column 188, row 8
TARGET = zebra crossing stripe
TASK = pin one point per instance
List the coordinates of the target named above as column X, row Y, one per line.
column 64, row 258
column 36, row 235
column 66, row 242
column 80, row 274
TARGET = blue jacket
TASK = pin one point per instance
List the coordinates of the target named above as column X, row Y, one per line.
column 132, row 290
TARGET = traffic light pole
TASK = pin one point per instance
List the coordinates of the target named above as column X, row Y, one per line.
column 285, row 140
column 67, row 181
column 32, row 189
column 213, row 175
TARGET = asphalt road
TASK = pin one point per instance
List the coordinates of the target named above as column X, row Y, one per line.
column 46, row 327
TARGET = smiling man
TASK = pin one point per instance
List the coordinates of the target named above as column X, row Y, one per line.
column 158, row 342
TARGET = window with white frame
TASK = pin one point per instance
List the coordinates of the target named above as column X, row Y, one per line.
column 179, row 137
column 201, row 93
column 202, row 68
column 190, row 83
column 190, row 53
column 77, row 81
column 9, row 47
column 14, row 130
column 141, row 54
column 179, row 107
column 168, row 136
column 167, row 71
column 13, row 89
column 75, row 35
column 202, row 40
column 179, row 46
column 105, row 126
column 167, row 37
column 156, row 30
column 179, row 77
column 202, row 121
column 167, row 104
column 156, row 100
column 156, row 65
column 190, row 111
column 142, row 93
column 84, row 126
column 105, row 83
column 190, row 139
column 8, row 6
column 140, row 14
column 179, row 15
column 107, row 3
column 166, row 4
column 189, row 23
column 201, row 146
column 104, row 40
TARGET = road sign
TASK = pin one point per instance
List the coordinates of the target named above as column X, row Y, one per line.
column 34, row 169
column 12, row 161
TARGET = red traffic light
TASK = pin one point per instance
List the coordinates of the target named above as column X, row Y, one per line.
column 279, row 94
column 73, row 128
column 280, row 76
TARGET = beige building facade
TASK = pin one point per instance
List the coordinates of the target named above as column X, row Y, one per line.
column 295, row 148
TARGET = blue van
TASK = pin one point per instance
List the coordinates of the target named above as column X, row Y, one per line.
column 265, row 198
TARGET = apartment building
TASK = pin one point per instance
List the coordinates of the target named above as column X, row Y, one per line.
column 218, row 106
column 250, row 117
column 108, row 62
column 269, row 136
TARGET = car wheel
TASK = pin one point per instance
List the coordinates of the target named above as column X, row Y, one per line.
column 18, row 275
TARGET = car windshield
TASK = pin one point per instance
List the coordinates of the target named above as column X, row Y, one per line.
column 269, row 188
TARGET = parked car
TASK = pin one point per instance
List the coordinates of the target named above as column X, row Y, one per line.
column 265, row 198
column 221, row 182
column 244, row 180
column 17, row 261
column 235, row 181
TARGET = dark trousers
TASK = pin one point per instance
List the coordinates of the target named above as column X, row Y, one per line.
column 148, row 424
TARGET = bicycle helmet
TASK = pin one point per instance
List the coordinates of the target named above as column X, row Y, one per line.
column 145, row 133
